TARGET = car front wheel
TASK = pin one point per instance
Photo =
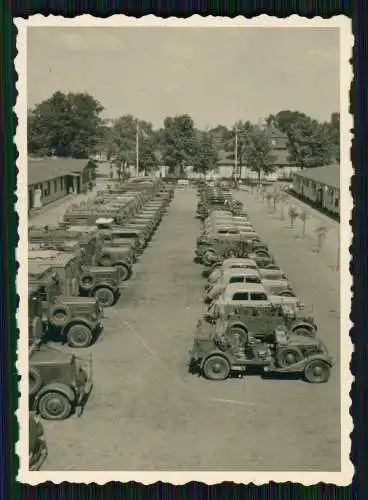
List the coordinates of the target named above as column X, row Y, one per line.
column 216, row 368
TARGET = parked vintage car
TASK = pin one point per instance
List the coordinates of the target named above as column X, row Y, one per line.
column 212, row 248
column 232, row 263
column 260, row 321
column 230, row 276
column 239, row 295
column 66, row 317
column 99, row 282
column 216, row 356
column 59, row 383
column 37, row 446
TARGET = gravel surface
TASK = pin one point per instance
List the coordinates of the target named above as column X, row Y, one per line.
column 147, row 412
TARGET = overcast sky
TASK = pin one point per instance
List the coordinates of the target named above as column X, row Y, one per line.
column 216, row 75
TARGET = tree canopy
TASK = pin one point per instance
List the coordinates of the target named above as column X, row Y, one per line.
column 178, row 141
column 70, row 125
column 66, row 125
column 206, row 155
column 310, row 143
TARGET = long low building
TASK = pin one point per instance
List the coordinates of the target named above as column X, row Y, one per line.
column 319, row 186
column 52, row 178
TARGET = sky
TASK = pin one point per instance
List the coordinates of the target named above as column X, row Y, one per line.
column 216, row 75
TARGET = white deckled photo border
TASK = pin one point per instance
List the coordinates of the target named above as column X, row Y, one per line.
column 342, row 477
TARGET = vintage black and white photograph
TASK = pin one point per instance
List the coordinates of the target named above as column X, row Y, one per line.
column 183, row 198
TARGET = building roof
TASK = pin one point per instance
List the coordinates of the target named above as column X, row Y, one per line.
column 329, row 175
column 45, row 169
column 273, row 132
column 280, row 157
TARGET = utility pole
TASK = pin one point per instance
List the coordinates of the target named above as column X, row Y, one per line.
column 137, row 149
column 236, row 153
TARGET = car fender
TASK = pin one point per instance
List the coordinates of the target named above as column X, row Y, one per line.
column 300, row 366
column 303, row 324
column 57, row 387
column 238, row 324
column 79, row 321
column 122, row 263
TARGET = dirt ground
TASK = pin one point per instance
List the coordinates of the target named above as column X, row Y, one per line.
column 147, row 412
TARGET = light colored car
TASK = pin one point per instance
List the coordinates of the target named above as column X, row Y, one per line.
column 233, row 263
column 253, row 295
column 280, row 287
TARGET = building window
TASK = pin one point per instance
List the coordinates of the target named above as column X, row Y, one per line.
column 273, row 142
column 61, row 182
column 55, row 186
column 337, row 202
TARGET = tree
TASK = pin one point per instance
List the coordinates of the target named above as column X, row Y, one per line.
column 309, row 144
column 67, row 125
column 285, row 119
column 178, row 141
column 206, row 157
column 122, row 141
column 256, row 152
column 333, row 130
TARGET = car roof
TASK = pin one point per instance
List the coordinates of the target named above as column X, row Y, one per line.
column 240, row 272
column 244, row 287
column 50, row 256
column 104, row 220
column 238, row 260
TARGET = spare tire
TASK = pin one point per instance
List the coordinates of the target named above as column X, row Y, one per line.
column 59, row 315
column 34, row 381
column 87, row 281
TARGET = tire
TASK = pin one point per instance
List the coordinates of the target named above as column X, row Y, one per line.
column 216, row 367
column 75, row 287
column 87, row 281
column 125, row 272
column 54, row 405
column 317, row 372
column 34, row 381
column 79, row 335
column 238, row 337
column 59, row 315
column 288, row 357
column 105, row 296
column 305, row 332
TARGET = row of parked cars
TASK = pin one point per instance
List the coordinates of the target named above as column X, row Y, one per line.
column 76, row 269
column 254, row 320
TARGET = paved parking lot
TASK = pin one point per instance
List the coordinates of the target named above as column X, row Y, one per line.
column 147, row 412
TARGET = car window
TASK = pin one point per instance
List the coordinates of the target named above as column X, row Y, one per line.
column 240, row 296
column 237, row 279
column 253, row 279
column 258, row 296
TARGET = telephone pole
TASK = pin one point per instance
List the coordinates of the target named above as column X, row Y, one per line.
column 236, row 153
column 137, row 149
